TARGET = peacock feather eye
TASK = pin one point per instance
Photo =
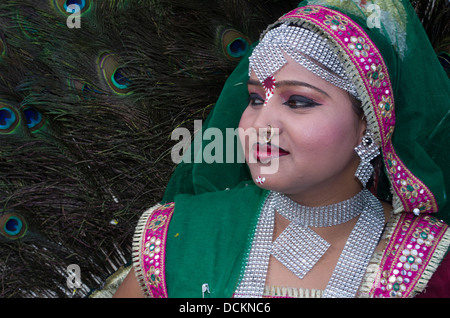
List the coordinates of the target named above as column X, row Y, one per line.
column 89, row 93
column 64, row 6
column 35, row 120
column 25, row 23
column 84, row 90
column 119, row 80
column 13, row 226
column 80, row 3
column 113, row 74
column 9, row 119
column 234, row 44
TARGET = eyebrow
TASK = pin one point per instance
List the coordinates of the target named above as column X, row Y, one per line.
column 289, row 83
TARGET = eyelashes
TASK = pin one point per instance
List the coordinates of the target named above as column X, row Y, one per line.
column 255, row 99
column 298, row 101
column 294, row 101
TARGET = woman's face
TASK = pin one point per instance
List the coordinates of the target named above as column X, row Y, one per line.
column 315, row 133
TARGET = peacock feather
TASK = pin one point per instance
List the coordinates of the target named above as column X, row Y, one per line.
column 435, row 18
column 86, row 114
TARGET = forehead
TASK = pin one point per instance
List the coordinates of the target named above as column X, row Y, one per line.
column 306, row 48
column 294, row 74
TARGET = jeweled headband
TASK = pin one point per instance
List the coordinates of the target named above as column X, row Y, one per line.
column 346, row 57
column 304, row 46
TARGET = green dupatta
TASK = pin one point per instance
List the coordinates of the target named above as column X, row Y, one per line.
column 215, row 211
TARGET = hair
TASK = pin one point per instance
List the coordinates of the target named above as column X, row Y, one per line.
column 357, row 105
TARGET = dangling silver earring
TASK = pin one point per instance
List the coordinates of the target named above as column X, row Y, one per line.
column 366, row 150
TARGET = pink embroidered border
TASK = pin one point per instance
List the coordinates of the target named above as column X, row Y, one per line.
column 152, row 250
column 409, row 251
column 370, row 64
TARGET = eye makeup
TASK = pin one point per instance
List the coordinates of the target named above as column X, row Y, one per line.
column 299, row 101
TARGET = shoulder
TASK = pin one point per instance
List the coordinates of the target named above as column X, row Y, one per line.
column 195, row 232
column 416, row 245
column 155, row 218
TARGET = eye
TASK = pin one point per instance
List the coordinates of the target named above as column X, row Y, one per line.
column 298, row 101
column 255, row 99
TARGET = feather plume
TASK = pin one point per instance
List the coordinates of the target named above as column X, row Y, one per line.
column 87, row 115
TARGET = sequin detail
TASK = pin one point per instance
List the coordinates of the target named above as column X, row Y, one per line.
column 407, row 255
column 152, row 251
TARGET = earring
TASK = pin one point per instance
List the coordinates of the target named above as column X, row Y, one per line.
column 269, row 134
column 366, row 150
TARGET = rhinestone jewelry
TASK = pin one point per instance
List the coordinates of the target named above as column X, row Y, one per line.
column 355, row 257
column 366, row 150
column 321, row 216
column 260, row 180
column 254, row 276
column 299, row 248
column 304, row 46
column 269, row 134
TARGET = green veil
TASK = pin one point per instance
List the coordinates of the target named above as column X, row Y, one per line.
column 422, row 101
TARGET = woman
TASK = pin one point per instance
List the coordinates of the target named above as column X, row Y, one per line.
column 326, row 89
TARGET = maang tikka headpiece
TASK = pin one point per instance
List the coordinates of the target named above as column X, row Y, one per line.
column 306, row 48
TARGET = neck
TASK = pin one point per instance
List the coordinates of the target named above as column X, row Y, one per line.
column 326, row 195
column 321, row 216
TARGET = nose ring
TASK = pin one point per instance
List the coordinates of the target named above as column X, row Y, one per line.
column 269, row 134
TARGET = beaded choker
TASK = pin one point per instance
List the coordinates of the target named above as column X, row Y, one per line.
column 320, row 216
column 299, row 248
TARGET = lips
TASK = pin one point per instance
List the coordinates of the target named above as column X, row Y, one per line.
column 266, row 152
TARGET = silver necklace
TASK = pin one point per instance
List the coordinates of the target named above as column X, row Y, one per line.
column 299, row 248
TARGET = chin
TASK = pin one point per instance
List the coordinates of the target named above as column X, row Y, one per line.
column 268, row 182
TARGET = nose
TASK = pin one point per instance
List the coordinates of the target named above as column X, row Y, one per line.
column 267, row 122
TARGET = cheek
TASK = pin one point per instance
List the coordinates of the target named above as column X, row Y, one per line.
column 326, row 138
column 244, row 122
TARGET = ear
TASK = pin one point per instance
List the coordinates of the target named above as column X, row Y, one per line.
column 361, row 128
